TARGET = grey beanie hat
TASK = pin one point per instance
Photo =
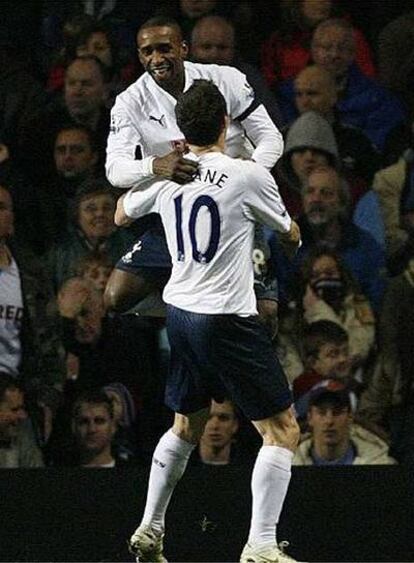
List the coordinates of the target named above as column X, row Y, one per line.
column 311, row 130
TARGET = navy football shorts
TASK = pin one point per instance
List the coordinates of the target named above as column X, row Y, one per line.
column 223, row 357
column 150, row 258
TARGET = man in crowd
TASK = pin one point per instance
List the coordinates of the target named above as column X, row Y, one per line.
column 219, row 432
column 335, row 439
column 326, row 220
column 213, row 41
column 83, row 102
column 18, row 446
column 93, row 428
column 362, row 101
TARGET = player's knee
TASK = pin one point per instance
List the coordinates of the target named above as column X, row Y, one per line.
column 190, row 428
column 281, row 430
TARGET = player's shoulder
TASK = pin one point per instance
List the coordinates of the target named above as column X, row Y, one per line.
column 253, row 169
column 135, row 94
column 216, row 73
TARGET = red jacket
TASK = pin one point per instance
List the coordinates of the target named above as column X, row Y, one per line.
column 281, row 60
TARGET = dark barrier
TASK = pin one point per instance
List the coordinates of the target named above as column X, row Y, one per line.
column 333, row 514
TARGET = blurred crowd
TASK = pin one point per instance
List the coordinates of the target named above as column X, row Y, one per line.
column 82, row 385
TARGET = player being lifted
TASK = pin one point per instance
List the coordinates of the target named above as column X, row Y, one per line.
column 218, row 348
column 145, row 142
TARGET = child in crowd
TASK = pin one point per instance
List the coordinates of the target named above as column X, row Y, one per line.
column 95, row 267
column 325, row 356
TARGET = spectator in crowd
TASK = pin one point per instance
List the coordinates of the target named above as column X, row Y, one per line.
column 95, row 267
column 394, row 186
column 83, row 102
column 112, row 349
column 93, row 428
column 187, row 13
column 20, row 95
column 362, row 101
column 287, row 51
column 92, row 228
column 217, row 444
column 335, row 439
column 71, row 29
column 96, row 40
column 213, row 42
column 310, row 143
column 395, row 51
column 26, row 202
column 329, row 292
column 388, row 402
column 75, row 160
column 18, row 446
column 126, row 442
column 326, row 220
column 30, row 344
column 325, row 353
column 315, row 90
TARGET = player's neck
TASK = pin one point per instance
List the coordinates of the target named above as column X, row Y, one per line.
column 203, row 150
column 218, row 146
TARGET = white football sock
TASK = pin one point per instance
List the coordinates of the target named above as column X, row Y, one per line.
column 169, row 461
column 270, row 482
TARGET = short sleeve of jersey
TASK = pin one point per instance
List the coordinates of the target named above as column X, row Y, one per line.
column 239, row 95
column 262, row 201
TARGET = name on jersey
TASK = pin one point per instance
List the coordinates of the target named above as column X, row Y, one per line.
column 209, row 176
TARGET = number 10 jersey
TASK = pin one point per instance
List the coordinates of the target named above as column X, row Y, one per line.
column 209, row 226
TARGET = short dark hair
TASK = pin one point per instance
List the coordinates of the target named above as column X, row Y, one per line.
column 7, row 381
column 201, row 112
column 105, row 72
column 89, row 188
column 316, row 334
column 98, row 257
column 161, row 21
column 93, row 397
column 74, row 126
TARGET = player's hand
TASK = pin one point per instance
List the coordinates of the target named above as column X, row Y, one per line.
column 175, row 167
column 291, row 240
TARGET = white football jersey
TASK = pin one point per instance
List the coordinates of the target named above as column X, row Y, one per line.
column 143, row 124
column 209, row 225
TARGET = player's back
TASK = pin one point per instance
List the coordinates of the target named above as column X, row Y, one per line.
column 209, row 225
column 210, row 238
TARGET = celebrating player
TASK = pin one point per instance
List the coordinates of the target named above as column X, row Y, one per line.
column 218, row 348
column 145, row 142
